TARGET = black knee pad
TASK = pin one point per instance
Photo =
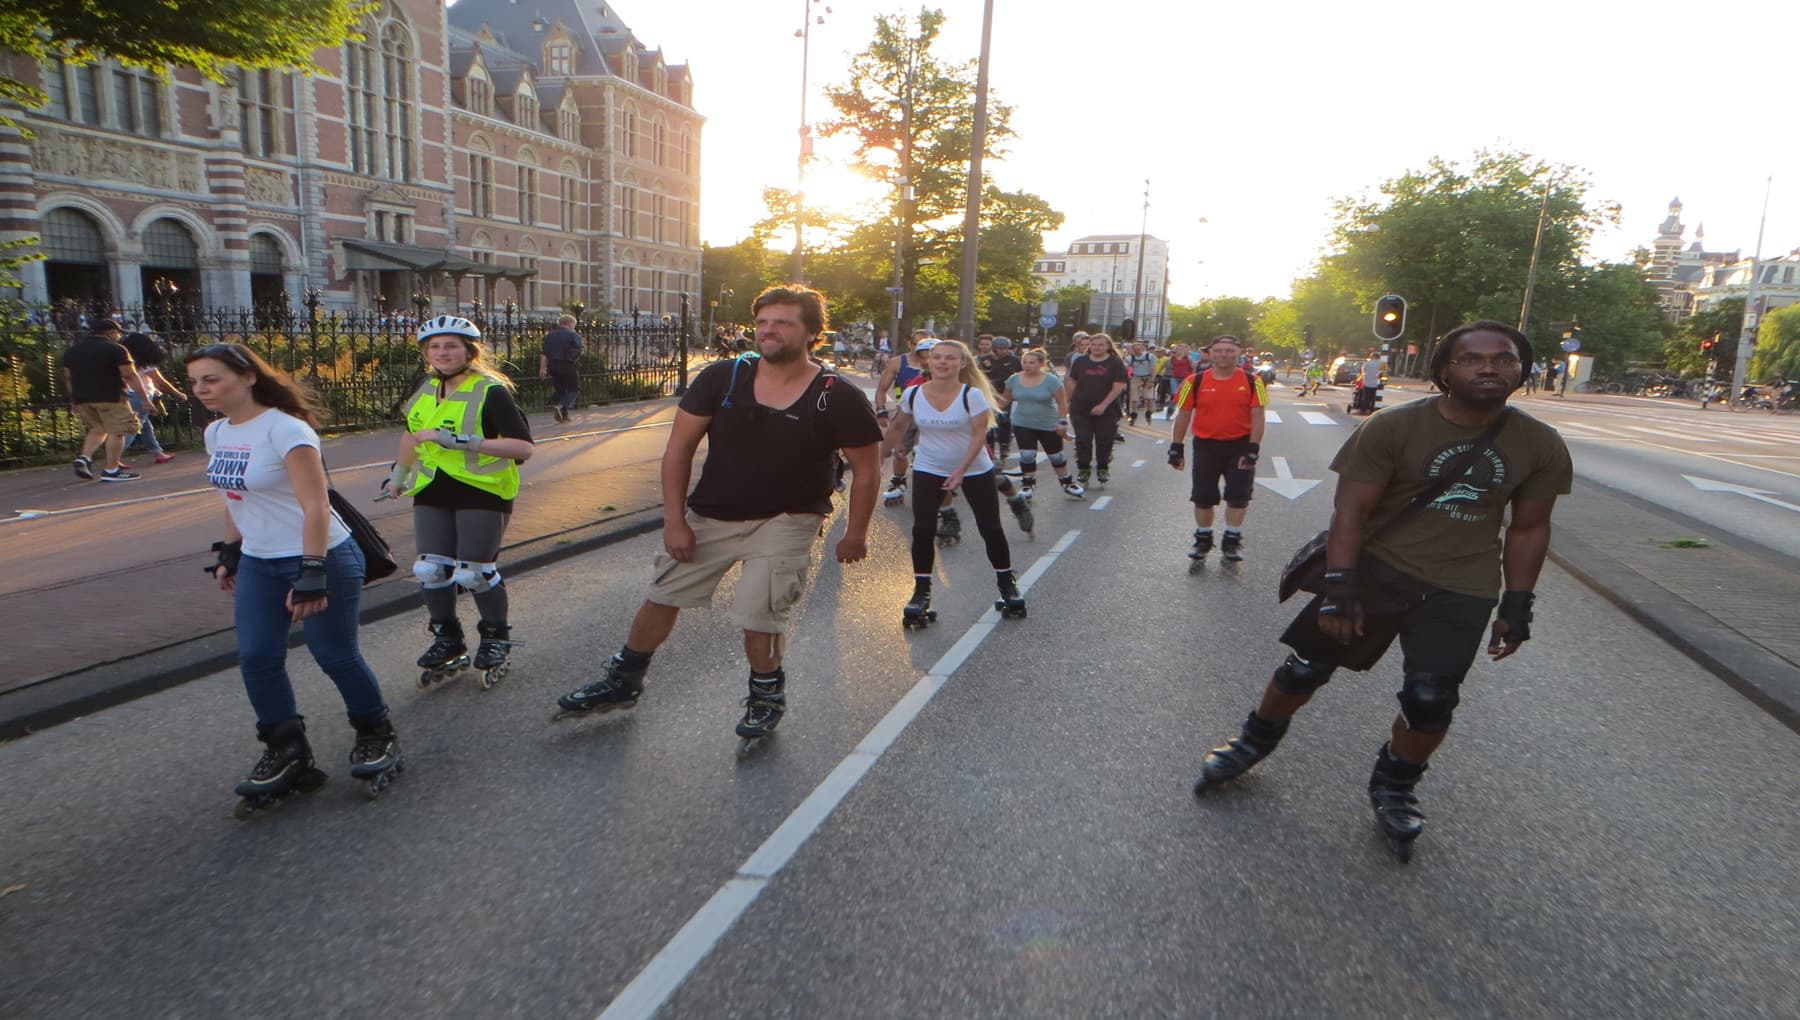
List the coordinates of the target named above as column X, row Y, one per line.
column 1297, row 676
column 1428, row 700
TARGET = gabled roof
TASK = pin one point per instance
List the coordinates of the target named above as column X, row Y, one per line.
column 599, row 33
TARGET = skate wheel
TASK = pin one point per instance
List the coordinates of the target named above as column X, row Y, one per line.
column 246, row 808
column 747, row 745
column 425, row 678
column 493, row 676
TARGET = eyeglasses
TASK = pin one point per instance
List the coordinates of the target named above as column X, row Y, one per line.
column 1500, row 361
column 231, row 354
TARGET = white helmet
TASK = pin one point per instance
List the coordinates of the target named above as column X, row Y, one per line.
column 452, row 324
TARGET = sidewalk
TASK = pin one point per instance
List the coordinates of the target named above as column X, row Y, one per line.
column 108, row 601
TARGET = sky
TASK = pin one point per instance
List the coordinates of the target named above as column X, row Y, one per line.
column 1258, row 117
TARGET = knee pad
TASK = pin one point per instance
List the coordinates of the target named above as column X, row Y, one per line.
column 1003, row 484
column 1059, row 461
column 1428, row 700
column 434, row 571
column 1028, row 460
column 1297, row 676
column 478, row 577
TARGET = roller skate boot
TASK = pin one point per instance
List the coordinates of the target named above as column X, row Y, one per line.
column 620, row 687
column 1397, row 814
column 763, row 708
column 285, row 769
column 1203, row 544
column 1081, row 476
column 1072, row 488
column 1028, row 486
column 1011, row 604
column 1236, row 756
column 918, row 613
column 896, row 492
column 1103, row 475
column 949, row 527
column 1231, row 547
column 376, row 757
column 1021, row 509
column 491, row 656
column 448, row 654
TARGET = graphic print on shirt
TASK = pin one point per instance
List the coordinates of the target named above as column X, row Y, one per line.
column 227, row 469
column 1474, row 479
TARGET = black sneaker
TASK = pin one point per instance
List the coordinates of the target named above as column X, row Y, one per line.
column 85, row 468
column 1231, row 547
column 119, row 475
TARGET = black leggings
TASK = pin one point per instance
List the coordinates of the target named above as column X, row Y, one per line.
column 984, row 503
column 1094, row 438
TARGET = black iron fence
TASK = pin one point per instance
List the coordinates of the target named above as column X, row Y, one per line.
column 360, row 365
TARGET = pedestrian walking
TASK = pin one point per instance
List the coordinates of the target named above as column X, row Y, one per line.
column 1223, row 410
column 459, row 460
column 952, row 411
column 285, row 558
column 559, row 361
column 1039, row 409
column 98, row 372
column 1441, row 503
column 148, row 356
column 1095, row 387
column 772, row 425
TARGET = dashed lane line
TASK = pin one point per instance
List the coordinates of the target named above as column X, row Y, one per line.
column 1101, row 503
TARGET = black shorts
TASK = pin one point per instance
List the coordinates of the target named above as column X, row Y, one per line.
column 1030, row 439
column 1440, row 631
column 1216, row 459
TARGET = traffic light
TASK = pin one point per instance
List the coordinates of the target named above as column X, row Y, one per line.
column 1390, row 317
column 1306, row 333
column 1706, row 344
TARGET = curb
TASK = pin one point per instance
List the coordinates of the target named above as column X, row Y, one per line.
column 60, row 699
column 1766, row 679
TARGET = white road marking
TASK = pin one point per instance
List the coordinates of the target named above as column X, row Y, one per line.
column 1315, row 418
column 1670, row 434
column 1100, row 504
column 1139, row 463
column 678, row 958
column 1272, row 417
column 1284, row 481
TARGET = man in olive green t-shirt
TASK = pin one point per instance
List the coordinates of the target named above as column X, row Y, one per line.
column 1415, row 551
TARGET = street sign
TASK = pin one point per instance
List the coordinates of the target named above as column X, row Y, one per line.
column 1571, row 345
column 1412, row 350
column 1047, row 320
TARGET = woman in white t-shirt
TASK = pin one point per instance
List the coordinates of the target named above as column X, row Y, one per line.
column 952, row 410
column 285, row 558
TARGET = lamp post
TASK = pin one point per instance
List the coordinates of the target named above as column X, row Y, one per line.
column 804, row 34
column 1137, row 296
column 971, row 253
column 1752, row 314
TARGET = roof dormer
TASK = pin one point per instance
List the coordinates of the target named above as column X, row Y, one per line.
column 561, row 56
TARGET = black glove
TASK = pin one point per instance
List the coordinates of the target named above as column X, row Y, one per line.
column 1251, row 451
column 1338, row 588
column 1178, row 455
column 225, row 557
column 310, row 586
column 1515, row 609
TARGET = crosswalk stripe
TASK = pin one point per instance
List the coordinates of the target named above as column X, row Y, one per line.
column 1315, row 418
column 1272, row 417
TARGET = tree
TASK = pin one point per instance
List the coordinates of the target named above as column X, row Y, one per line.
column 1198, row 323
column 1718, row 322
column 1777, row 346
column 910, row 114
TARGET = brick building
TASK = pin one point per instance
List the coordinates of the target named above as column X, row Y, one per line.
column 539, row 154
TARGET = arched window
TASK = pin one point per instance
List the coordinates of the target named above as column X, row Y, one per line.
column 481, row 178
column 480, row 91
column 74, row 256
column 571, row 196
column 525, row 110
column 361, row 100
column 568, row 122
column 168, row 245
column 628, row 124
column 528, row 187
column 267, row 285
column 397, row 95
column 659, row 139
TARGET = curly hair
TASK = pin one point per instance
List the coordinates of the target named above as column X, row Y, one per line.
column 1446, row 349
column 811, row 303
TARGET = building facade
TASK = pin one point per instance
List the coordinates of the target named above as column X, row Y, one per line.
column 1108, row 264
column 488, row 151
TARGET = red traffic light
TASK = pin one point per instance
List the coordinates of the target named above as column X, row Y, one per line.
column 1390, row 317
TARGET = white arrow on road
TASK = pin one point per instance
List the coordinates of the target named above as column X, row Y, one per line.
column 1284, row 481
column 1760, row 495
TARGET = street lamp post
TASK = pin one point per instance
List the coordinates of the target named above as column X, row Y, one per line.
column 971, row 253
column 804, row 33
column 1137, row 295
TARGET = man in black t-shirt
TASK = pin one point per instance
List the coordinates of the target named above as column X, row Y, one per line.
column 999, row 365
column 772, row 424
column 557, row 362
column 99, row 371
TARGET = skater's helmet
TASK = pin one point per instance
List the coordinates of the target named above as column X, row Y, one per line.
column 925, row 345
column 455, row 325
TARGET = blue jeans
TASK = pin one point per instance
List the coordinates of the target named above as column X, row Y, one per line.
column 146, row 436
column 262, row 630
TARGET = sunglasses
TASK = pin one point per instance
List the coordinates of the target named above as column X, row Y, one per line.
column 231, row 354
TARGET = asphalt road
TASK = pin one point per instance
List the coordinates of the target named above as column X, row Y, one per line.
column 1612, row 831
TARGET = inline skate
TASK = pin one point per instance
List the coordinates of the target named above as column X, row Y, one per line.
column 620, row 687
column 1011, row 604
column 492, row 655
column 764, row 707
column 286, row 768
column 949, row 527
column 1397, row 815
column 375, row 759
column 448, row 654
column 1236, row 756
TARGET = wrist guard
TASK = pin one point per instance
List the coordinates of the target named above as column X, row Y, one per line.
column 1251, row 452
column 1515, row 609
column 225, row 558
column 310, row 585
column 1177, row 455
column 460, row 440
column 1338, row 587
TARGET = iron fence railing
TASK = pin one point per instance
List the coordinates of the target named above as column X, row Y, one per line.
column 360, row 365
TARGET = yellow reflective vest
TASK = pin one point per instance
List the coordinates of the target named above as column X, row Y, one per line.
column 459, row 411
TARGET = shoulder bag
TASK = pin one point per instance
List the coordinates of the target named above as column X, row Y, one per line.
column 1305, row 571
column 378, row 557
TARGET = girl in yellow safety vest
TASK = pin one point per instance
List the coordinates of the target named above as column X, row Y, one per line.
column 459, row 460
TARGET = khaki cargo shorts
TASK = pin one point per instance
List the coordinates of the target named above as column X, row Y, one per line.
column 776, row 553
column 113, row 419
